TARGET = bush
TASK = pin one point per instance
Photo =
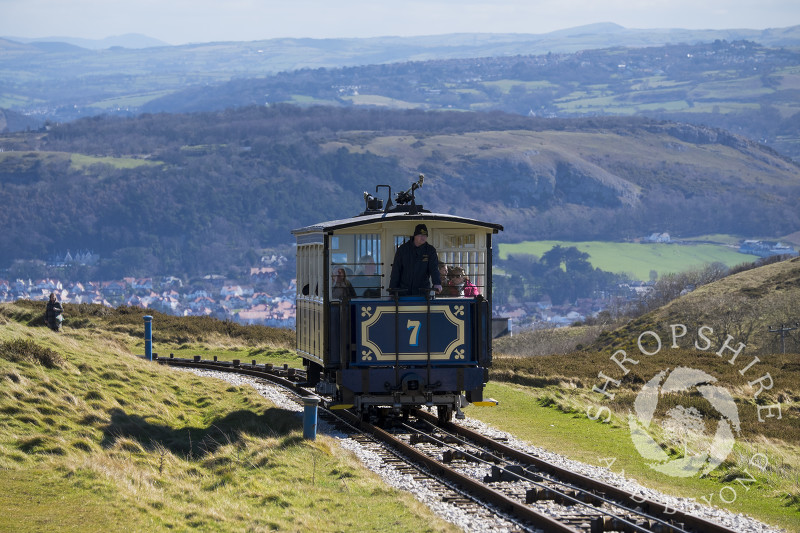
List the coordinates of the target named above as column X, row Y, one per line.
column 27, row 351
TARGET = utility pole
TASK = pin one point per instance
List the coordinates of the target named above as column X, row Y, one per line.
column 783, row 330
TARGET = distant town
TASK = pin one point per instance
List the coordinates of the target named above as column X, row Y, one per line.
column 267, row 296
column 266, row 302
column 260, row 299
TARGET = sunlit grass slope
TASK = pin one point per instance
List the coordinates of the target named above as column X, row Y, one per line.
column 94, row 438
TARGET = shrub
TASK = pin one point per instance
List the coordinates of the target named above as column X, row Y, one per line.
column 27, row 351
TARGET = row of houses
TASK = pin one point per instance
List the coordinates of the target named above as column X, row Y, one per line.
column 227, row 301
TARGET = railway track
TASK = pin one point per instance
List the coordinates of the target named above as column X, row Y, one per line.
column 483, row 475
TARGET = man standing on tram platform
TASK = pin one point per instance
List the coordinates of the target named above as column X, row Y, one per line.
column 416, row 265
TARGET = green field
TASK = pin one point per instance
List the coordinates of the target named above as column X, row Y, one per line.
column 84, row 161
column 382, row 101
column 638, row 259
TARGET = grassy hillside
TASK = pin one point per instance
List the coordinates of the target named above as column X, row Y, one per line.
column 737, row 86
column 638, row 259
column 94, row 438
column 566, row 389
column 736, row 79
column 554, row 417
column 744, row 305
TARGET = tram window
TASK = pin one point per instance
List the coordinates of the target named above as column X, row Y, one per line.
column 360, row 256
column 465, row 250
column 309, row 270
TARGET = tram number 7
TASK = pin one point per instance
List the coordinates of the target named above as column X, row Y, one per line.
column 413, row 325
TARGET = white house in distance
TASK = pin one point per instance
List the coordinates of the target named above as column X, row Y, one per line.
column 658, row 237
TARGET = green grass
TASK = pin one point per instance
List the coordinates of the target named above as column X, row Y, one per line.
column 94, row 438
column 81, row 161
column 261, row 356
column 737, row 90
column 44, row 500
column 638, row 259
column 168, row 331
column 8, row 101
column 506, row 85
column 77, row 161
column 133, row 100
column 305, row 100
column 381, row 101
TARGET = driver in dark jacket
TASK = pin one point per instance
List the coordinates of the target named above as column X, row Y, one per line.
column 415, row 265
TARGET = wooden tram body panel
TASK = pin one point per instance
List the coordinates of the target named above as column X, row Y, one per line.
column 375, row 349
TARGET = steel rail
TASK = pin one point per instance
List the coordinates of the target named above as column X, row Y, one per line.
column 658, row 509
column 246, row 369
column 563, row 495
column 507, row 505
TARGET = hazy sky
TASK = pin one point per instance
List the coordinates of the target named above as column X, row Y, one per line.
column 183, row 21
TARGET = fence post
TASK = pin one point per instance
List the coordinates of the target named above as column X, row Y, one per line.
column 310, row 418
column 148, row 337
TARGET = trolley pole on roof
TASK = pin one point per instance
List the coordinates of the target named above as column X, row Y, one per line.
column 783, row 330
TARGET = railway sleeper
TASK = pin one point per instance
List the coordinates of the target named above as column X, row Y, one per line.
column 566, row 497
column 611, row 523
column 508, row 473
column 437, row 440
column 457, row 455
column 590, row 523
column 418, row 438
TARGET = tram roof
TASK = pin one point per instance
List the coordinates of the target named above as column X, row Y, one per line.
column 333, row 225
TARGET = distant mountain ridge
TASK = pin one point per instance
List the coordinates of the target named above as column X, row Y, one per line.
column 128, row 40
column 565, row 40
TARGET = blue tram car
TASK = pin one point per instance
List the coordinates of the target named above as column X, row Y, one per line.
column 375, row 349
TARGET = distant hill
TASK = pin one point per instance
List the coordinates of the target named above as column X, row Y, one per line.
column 202, row 192
column 744, row 81
column 739, row 86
